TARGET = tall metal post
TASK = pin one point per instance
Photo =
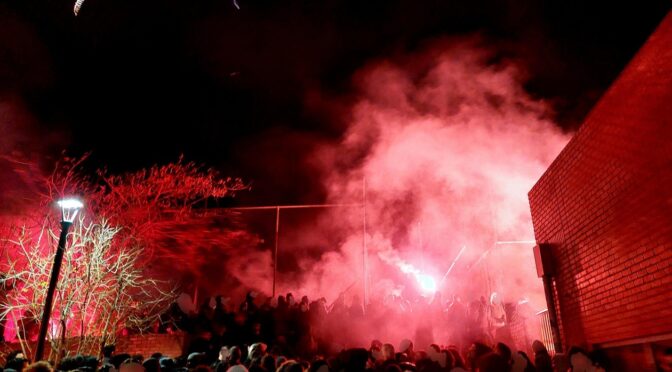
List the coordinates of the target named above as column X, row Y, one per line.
column 275, row 251
column 365, row 253
column 277, row 209
column 48, row 302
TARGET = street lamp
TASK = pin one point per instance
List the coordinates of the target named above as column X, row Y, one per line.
column 69, row 209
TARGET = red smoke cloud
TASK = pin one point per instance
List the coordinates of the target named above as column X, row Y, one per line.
column 448, row 143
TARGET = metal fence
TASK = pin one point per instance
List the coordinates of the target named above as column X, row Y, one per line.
column 546, row 331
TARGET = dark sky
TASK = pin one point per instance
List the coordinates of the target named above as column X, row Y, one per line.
column 142, row 81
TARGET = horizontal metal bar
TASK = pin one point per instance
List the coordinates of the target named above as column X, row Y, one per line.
column 298, row 206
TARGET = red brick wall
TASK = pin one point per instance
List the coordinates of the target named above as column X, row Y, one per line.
column 605, row 207
column 168, row 345
column 147, row 344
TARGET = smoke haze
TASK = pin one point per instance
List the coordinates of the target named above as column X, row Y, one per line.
column 448, row 144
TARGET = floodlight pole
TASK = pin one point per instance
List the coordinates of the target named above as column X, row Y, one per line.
column 275, row 250
column 55, row 271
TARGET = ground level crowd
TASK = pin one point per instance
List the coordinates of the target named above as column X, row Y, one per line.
column 286, row 335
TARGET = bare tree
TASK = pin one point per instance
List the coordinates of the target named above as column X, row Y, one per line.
column 155, row 205
column 103, row 286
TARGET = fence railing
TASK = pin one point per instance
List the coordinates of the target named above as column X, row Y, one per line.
column 546, row 331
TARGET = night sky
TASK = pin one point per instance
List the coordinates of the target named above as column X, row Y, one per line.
column 251, row 91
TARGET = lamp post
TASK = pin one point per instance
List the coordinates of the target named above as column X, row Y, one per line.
column 69, row 209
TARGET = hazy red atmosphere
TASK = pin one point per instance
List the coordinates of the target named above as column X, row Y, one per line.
column 374, row 157
column 448, row 146
column 440, row 150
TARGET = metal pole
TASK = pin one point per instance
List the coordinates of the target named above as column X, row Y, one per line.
column 297, row 206
column 55, row 271
column 275, row 252
column 365, row 252
column 196, row 294
column 452, row 264
column 277, row 209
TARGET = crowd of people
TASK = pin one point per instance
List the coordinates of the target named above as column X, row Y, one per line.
column 304, row 327
column 286, row 335
column 378, row 357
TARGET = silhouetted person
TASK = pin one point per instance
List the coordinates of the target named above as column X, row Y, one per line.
column 39, row 367
column 16, row 361
column 152, row 365
column 458, row 362
column 356, row 360
column 522, row 363
column 542, row 360
column 491, row 362
column 406, row 347
column 356, row 310
column 268, row 363
column 388, row 357
column 235, row 356
column 505, row 352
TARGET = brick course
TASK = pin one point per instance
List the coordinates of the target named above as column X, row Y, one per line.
column 171, row 345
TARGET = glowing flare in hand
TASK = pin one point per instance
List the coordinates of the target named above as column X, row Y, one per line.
column 426, row 282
